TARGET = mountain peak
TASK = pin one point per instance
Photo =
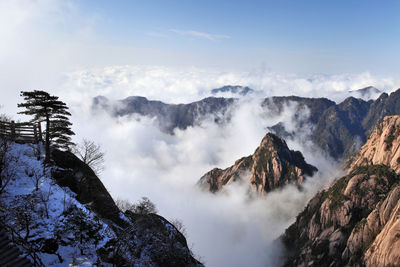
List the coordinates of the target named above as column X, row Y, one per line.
column 369, row 92
column 271, row 166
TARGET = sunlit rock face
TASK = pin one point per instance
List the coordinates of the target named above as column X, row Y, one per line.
column 382, row 147
column 355, row 222
column 272, row 165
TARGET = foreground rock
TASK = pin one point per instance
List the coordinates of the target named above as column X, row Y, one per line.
column 272, row 165
column 355, row 222
column 141, row 239
column 70, row 219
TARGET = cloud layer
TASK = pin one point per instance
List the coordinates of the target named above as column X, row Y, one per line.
column 175, row 85
column 226, row 229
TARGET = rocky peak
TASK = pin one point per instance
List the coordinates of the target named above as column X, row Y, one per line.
column 366, row 93
column 382, row 147
column 271, row 166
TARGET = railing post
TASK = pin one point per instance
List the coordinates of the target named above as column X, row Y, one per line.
column 35, row 134
column 12, row 125
column 40, row 131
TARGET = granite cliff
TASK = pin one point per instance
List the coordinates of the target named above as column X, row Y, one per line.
column 354, row 222
column 272, row 165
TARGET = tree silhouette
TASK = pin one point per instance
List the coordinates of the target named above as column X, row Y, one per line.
column 45, row 107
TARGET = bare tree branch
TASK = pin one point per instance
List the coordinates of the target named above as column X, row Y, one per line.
column 90, row 153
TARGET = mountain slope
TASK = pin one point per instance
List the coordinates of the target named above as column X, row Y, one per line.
column 271, row 166
column 382, row 147
column 64, row 215
column 355, row 222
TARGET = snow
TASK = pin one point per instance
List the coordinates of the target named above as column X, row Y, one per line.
column 37, row 208
column 51, row 210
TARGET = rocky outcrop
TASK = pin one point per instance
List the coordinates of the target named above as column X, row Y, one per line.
column 139, row 239
column 70, row 171
column 382, row 147
column 157, row 241
column 355, row 222
column 344, row 225
column 271, row 166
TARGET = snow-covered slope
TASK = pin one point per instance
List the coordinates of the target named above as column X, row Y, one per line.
column 48, row 218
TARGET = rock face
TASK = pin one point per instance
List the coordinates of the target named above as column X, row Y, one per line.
column 155, row 239
column 355, row 222
column 81, row 179
column 271, row 166
column 382, row 147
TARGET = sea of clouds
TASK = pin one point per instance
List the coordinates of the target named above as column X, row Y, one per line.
column 223, row 229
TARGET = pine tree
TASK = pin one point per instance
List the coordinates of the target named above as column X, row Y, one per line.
column 45, row 107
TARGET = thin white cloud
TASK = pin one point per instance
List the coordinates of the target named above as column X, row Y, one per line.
column 202, row 35
column 157, row 34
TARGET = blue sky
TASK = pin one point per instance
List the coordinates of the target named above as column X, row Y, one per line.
column 301, row 37
column 292, row 36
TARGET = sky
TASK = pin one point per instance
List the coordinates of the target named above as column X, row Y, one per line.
column 196, row 45
column 290, row 36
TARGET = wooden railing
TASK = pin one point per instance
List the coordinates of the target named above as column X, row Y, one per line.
column 30, row 249
column 24, row 132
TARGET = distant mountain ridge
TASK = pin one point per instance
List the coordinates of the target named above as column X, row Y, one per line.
column 368, row 93
column 234, row 89
column 169, row 116
column 335, row 128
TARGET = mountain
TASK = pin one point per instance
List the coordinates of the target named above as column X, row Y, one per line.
column 366, row 93
column 382, row 146
column 168, row 116
column 234, row 89
column 355, row 222
column 271, row 166
column 338, row 129
column 61, row 215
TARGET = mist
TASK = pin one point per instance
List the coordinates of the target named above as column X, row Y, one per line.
column 224, row 229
